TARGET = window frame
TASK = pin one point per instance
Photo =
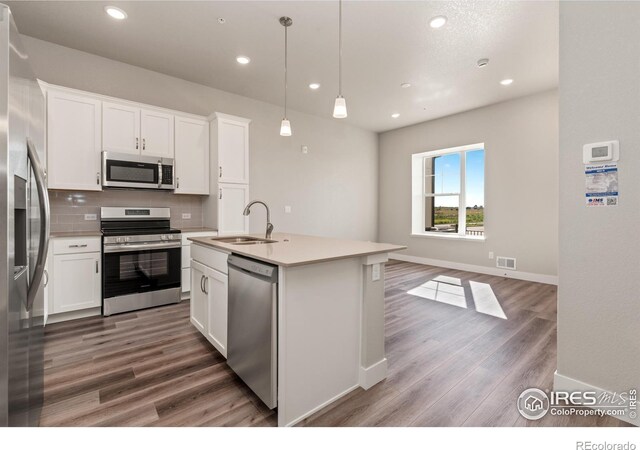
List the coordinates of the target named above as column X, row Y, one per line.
column 418, row 160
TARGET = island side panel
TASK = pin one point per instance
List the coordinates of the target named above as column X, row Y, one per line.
column 373, row 361
column 319, row 335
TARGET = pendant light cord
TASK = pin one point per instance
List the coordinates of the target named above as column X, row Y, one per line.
column 285, row 71
column 340, row 51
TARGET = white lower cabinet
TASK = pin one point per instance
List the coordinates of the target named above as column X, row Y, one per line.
column 209, row 301
column 199, row 302
column 75, row 275
column 186, row 256
column 216, row 286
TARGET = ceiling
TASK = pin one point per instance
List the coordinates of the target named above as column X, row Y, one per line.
column 385, row 44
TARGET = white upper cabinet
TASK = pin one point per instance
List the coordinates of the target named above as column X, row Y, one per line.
column 192, row 156
column 156, row 131
column 129, row 129
column 120, row 128
column 232, row 198
column 233, row 149
column 73, row 141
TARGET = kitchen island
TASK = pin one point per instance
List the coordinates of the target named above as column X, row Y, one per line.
column 330, row 310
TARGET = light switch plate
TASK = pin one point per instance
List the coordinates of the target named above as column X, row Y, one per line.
column 490, row 255
column 287, row 209
column 90, row 217
column 375, row 272
column 186, row 215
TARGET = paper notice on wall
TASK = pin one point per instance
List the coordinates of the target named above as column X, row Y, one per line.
column 601, row 184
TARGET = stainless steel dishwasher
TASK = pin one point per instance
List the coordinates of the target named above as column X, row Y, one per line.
column 252, row 336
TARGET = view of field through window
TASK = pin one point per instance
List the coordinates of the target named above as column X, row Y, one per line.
column 443, row 192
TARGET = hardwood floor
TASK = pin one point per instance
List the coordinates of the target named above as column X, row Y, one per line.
column 448, row 365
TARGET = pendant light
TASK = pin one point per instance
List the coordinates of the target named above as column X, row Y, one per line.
column 285, row 126
column 340, row 107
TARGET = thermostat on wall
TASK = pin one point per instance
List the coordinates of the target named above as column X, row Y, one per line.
column 600, row 151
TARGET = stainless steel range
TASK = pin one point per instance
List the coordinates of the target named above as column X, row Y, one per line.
column 141, row 259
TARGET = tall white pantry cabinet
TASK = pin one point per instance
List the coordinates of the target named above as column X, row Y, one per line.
column 229, row 169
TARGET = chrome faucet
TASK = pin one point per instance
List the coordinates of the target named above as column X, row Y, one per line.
column 247, row 210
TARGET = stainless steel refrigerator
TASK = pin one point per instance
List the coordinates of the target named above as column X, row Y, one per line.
column 24, row 232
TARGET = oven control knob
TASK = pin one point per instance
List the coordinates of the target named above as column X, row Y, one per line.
column 127, row 239
column 163, row 237
column 118, row 240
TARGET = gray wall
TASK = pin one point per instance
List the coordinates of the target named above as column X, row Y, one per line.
column 521, row 183
column 599, row 305
column 332, row 190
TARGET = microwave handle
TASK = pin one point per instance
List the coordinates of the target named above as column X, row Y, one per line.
column 160, row 173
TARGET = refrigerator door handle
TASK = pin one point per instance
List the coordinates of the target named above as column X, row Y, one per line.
column 38, row 172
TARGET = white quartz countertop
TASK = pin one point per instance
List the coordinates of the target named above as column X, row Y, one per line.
column 296, row 249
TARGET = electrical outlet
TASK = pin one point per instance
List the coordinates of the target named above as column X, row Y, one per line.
column 90, row 217
column 287, row 209
column 305, row 149
column 375, row 272
column 490, row 255
column 186, row 215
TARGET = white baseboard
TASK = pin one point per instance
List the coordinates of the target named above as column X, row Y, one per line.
column 374, row 374
column 518, row 275
column 72, row 315
column 318, row 408
column 564, row 383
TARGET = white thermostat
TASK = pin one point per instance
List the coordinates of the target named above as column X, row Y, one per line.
column 600, row 151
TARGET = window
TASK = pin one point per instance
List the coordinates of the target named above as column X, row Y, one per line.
column 448, row 192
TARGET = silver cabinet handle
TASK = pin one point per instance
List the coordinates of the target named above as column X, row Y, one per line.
column 77, row 245
column 206, row 285
column 177, row 182
column 96, row 266
column 97, row 177
column 43, row 201
column 220, row 175
column 220, row 194
column 46, row 278
column 144, row 144
column 202, row 283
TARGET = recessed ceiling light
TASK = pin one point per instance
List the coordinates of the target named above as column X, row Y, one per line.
column 437, row 21
column 395, row 115
column 483, row 62
column 405, row 85
column 314, row 86
column 222, row 20
column 243, row 59
column 506, row 82
column 116, row 13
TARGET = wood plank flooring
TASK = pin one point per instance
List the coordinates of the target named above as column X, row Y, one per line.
column 448, row 365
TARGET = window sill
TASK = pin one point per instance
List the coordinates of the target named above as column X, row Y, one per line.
column 454, row 237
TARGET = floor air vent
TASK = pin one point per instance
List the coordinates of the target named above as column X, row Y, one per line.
column 503, row 262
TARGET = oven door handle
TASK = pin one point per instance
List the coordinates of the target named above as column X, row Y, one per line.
column 132, row 247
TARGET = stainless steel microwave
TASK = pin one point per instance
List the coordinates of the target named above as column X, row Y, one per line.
column 123, row 170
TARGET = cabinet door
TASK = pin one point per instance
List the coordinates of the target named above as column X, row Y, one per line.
column 73, row 141
column 120, row 128
column 76, row 282
column 199, row 302
column 157, row 133
column 233, row 151
column 215, row 285
column 192, row 156
column 232, row 198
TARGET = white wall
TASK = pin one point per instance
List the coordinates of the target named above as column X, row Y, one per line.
column 599, row 292
column 332, row 190
column 521, row 183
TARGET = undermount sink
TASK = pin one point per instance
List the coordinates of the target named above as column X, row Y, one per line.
column 243, row 240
